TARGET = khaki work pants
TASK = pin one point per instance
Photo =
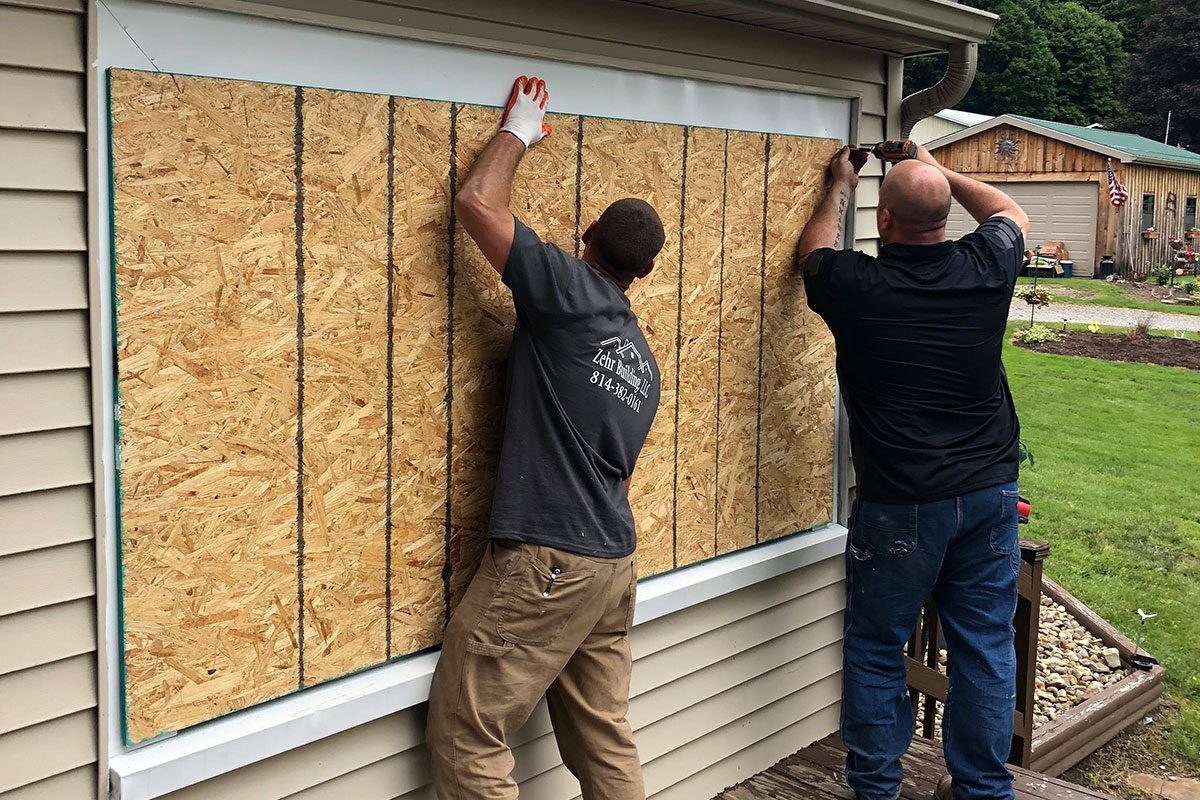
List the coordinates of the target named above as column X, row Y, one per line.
column 508, row 644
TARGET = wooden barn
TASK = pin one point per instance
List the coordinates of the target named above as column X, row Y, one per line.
column 1059, row 174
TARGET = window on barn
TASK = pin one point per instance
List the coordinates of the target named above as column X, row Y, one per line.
column 1189, row 213
column 1147, row 212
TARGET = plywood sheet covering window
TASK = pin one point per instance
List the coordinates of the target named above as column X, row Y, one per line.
column 344, row 170
column 740, row 324
column 544, row 199
column 419, row 340
column 795, row 431
column 609, row 172
column 311, row 357
column 206, row 357
column 699, row 345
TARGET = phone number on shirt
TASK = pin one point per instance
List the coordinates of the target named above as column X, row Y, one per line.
column 619, row 390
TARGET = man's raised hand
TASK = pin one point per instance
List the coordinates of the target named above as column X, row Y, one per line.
column 526, row 110
column 841, row 171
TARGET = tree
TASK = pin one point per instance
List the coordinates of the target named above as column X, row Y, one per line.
column 1090, row 59
column 1055, row 60
column 1128, row 15
column 1164, row 74
column 1017, row 72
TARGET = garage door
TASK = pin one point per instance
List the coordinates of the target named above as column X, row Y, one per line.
column 1057, row 211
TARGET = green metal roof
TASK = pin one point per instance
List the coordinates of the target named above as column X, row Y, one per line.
column 1141, row 148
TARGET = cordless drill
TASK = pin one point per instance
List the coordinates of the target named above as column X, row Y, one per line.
column 890, row 151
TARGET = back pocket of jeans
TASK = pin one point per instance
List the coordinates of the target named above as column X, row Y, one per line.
column 883, row 529
column 537, row 602
column 1004, row 538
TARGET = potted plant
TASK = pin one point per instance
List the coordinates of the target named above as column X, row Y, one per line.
column 1192, row 233
column 1149, row 233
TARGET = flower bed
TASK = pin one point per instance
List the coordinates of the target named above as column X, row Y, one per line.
column 1079, row 731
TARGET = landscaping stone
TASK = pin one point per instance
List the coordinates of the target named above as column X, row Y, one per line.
column 1073, row 666
column 1112, row 657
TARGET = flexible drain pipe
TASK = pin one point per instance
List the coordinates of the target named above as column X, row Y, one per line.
column 945, row 93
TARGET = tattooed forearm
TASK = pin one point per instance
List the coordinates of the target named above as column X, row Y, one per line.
column 824, row 228
column 843, row 200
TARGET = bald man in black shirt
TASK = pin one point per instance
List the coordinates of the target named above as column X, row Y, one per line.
column 919, row 332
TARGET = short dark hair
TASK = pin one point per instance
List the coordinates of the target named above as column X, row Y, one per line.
column 628, row 235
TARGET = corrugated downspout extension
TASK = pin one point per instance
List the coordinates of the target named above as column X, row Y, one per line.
column 945, row 93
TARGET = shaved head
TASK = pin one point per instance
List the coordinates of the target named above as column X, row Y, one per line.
column 914, row 202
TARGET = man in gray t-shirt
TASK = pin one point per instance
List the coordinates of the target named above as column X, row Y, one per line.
column 549, row 611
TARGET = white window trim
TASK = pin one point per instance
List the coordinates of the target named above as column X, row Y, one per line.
column 142, row 35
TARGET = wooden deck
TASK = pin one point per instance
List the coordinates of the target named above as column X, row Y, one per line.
column 815, row 773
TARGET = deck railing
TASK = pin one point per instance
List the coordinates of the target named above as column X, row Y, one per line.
column 928, row 685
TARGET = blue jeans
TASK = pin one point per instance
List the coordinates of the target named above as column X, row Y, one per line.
column 963, row 553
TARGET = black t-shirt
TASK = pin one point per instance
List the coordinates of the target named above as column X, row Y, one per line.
column 919, row 333
column 582, row 392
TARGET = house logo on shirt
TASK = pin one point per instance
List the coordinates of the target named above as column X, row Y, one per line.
column 622, row 371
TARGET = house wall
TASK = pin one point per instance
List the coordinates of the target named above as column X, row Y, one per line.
column 1134, row 251
column 722, row 690
column 49, row 717
column 1041, row 159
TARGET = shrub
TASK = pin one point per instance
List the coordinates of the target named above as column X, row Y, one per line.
column 1189, row 287
column 1141, row 328
column 1162, row 274
column 1036, row 334
column 1034, row 295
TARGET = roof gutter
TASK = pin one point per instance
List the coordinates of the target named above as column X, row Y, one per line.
column 953, row 87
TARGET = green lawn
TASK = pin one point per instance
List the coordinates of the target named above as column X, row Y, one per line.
column 1117, row 449
column 1106, row 294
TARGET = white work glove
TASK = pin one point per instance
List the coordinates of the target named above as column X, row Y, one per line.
column 526, row 110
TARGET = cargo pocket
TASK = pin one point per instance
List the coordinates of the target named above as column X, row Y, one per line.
column 487, row 650
column 1004, row 531
column 540, row 598
column 883, row 529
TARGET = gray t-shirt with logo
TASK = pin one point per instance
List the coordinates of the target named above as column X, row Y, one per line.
column 582, row 392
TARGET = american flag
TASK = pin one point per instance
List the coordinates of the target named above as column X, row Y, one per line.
column 1117, row 194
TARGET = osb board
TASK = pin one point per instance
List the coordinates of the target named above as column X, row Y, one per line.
column 420, row 337
column 795, row 432
column 544, row 198
column 205, row 236
column 740, row 322
column 344, row 169
column 608, row 173
column 699, row 346
column 398, row 361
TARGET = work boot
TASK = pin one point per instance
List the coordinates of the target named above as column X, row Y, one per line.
column 944, row 790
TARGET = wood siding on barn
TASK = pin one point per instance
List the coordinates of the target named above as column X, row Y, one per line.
column 1134, row 252
column 1036, row 155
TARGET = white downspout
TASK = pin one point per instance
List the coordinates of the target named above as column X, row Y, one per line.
column 952, row 88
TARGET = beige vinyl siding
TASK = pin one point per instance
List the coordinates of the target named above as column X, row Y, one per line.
column 720, row 691
column 48, row 684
